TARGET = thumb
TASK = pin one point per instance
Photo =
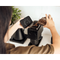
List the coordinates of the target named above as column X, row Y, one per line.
column 45, row 26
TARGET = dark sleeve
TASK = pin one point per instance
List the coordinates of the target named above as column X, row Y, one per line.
column 47, row 49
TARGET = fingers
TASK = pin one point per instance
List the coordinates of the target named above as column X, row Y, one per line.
column 49, row 17
column 46, row 17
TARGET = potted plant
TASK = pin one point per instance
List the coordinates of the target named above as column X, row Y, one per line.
column 15, row 15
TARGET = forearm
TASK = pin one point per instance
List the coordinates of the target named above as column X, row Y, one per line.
column 12, row 30
column 55, row 35
column 56, row 41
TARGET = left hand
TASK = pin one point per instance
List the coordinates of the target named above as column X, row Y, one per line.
column 19, row 24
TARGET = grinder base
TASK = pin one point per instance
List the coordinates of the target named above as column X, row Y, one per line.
column 36, row 42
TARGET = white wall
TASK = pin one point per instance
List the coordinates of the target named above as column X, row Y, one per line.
column 36, row 12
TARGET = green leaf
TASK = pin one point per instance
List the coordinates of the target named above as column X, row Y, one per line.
column 16, row 14
column 19, row 10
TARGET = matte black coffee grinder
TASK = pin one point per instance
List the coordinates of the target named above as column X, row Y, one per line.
column 34, row 32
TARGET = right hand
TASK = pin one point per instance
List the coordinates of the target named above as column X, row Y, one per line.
column 50, row 23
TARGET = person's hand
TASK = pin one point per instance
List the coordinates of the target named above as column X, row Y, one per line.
column 50, row 23
column 18, row 24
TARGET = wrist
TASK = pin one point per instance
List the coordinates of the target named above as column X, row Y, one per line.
column 52, row 28
column 18, row 25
